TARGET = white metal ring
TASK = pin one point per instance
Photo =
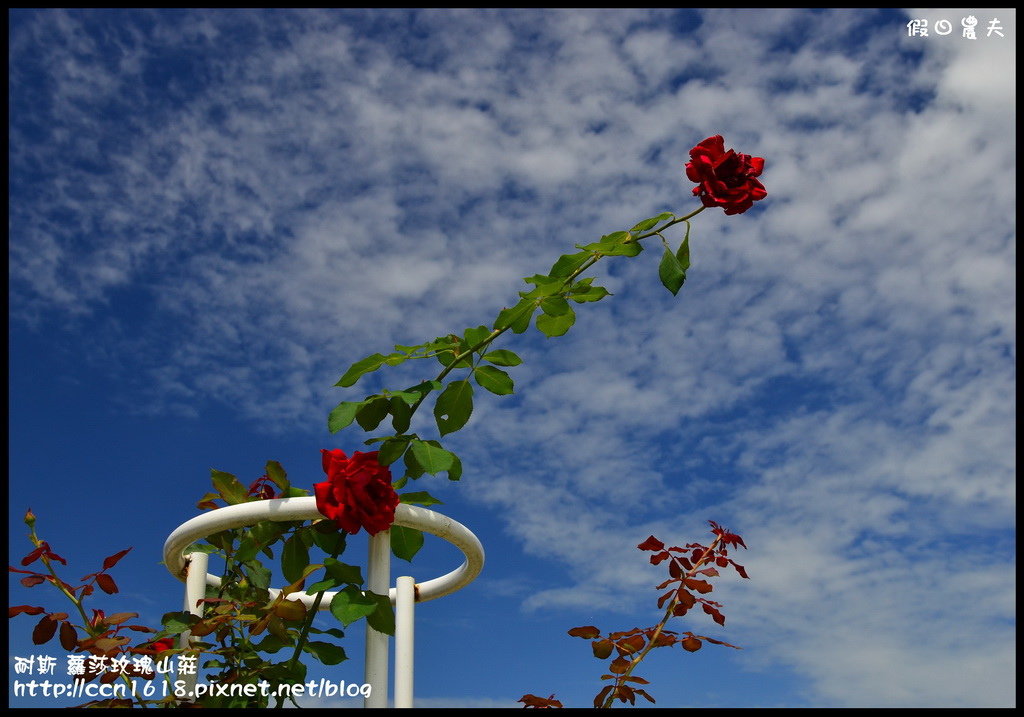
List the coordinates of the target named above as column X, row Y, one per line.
column 286, row 509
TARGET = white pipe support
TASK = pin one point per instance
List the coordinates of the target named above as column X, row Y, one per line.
column 192, row 569
column 378, row 580
column 195, row 590
column 405, row 607
column 288, row 509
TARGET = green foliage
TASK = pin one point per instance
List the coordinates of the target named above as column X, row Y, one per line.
column 517, row 318
column 405, row 542
column 554, row 294
column 243, row 635
column 432, row 458
column 421, row 498
column 493, row 379
column 556, row 324
column 673, row 266
column 351, row 604
column 454, row 407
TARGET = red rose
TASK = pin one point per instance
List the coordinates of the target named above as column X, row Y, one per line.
column 162, row 645
column 725, row 179
column 357, row 492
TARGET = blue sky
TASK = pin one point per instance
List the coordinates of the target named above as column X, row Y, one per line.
column 214, row 213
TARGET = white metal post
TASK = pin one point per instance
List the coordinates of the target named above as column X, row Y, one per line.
column 378, row 581
column 195, row 590
column 405, row 606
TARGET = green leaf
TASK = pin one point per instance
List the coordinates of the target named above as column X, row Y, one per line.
column 343, row 415
column 419, row 498
column 371, row 414
column 343, row 572
column 683, row 252
column 328, row 537
column 392, row 449
column 454, row 407
column 556, row 325
column 320, row 586
column 306, row 572
column 652, row 222
column 259, row 575
column 433, row 459
column 401, row 414
column 417, row 392
column 223, row 539
column 493, row 379
column 582, row 291
column 555, row 306
column 281, row 673
column 517, row 318
column 277, row 475
column 502, row 357
column 475, row 335
column 405, row 542
column 631, row 249
column 568, row 263
column 350, row 604
column 333, row 632
column 248, row 547
column 446, row 347
column 269, row 644
column 360, row 368
column 549, row 289
column 671, row 272
column 538, row 279
column 177, row 622
column 266, row 532
column 615, row 244
column 228, row 487
column 409, row 350
column 455, row 472
column 383, row 618
column 326, row 652
column 413, row 469
column 294, row 557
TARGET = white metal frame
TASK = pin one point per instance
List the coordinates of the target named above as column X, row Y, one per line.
column 192, row 570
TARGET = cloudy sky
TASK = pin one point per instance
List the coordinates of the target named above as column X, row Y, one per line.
column 214, row 213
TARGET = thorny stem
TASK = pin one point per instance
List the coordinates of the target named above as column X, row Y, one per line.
column 566, row 283
column 304, row 635
column 56, row 581
column 653, row 638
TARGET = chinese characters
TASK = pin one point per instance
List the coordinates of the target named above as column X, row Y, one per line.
column 918, row 27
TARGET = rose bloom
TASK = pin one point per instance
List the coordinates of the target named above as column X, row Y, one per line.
column 725, row 179
column 357, row 492
column 162, row 645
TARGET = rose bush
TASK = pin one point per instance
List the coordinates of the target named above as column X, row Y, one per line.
column 725, row 179
column 357, row 492
column 236, row 630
